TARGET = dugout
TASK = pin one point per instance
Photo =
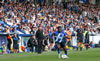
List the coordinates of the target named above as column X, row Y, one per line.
column 22, row 42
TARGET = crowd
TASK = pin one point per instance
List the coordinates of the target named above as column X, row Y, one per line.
column 27, row 17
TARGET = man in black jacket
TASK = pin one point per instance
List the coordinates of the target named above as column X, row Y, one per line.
column 32, row 43
column 40, row 37
column 80, row 38
column 87, row 38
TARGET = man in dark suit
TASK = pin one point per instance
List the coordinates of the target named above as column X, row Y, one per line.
column 40, row 37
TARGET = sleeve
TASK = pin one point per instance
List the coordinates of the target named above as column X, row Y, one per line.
column 77, row 30
column 82, row 31
column 36, row 34
column 28, row 43
column 55, row 33
column 64, row 36
column 18, row 37
column 13, row 38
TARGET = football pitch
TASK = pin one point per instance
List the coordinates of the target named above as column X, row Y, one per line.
column 92, row 54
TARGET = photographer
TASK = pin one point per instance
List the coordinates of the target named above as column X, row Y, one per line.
column 32, row 43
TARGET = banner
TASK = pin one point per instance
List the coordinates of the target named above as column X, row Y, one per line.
column 23, row 43
column 92, row 1
column 3, row 39
column 95, row 39
column 74, row 41
column 83, row 1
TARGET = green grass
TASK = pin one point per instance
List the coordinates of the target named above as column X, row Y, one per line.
column 90, row 55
